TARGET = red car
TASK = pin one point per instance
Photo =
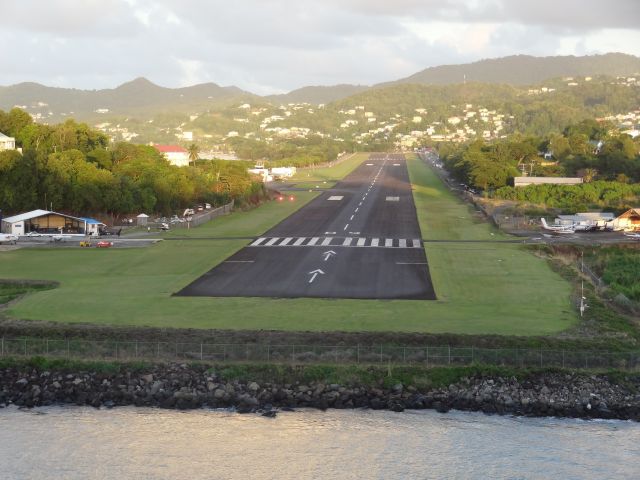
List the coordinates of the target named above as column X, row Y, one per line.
column 104, row 244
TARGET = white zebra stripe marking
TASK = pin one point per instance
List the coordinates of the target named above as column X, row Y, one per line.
column 363, row 242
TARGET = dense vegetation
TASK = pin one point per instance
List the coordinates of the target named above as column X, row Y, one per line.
column 608, row 161
column 620, row 270
column 70, row 167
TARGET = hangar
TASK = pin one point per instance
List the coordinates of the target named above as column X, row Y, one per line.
column 44, row 221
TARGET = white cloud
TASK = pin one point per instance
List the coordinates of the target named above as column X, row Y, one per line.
column 279, row 45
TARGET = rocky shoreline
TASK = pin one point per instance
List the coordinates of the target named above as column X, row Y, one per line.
column 174, row 386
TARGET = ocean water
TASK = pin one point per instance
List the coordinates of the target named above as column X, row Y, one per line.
column 142, row 443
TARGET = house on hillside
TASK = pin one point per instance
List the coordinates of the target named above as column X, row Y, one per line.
column 7, row 143
column 175, row 154
column 524, row 181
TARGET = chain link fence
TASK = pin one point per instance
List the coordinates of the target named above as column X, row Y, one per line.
column 315, row 354
column 204, row 217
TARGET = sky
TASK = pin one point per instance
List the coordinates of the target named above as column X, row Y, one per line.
column 274, row 46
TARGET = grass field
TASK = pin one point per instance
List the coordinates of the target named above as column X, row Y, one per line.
column 482, row 288
column 336, row 172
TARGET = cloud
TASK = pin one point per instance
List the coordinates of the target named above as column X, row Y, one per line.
column 280, row 45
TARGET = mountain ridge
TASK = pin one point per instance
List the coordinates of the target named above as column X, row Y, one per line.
column 141, row 96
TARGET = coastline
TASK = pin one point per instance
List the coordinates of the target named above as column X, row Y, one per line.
column 264, row 389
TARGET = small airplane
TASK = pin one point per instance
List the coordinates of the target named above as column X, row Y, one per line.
column 8, row 238
column 558, row 228
column 635, row 236
column 56, row 237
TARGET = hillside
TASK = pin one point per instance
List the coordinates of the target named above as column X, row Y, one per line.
column 318, row 94
column 139, row 96
column 526, row 70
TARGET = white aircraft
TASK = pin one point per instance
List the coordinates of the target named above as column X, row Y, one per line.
column 558, row 228
column 8, row 238
column 56, row 237
column 635, row 236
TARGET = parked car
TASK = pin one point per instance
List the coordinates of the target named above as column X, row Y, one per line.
column 207, row 206
column 104, row 244
column 164, row 226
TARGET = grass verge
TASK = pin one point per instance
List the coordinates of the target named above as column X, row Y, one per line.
column 482, row 288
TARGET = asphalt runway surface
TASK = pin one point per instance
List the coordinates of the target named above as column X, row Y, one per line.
column 360, row 239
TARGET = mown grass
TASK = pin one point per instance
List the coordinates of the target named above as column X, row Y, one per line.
column 335, row 172
column 482, row 288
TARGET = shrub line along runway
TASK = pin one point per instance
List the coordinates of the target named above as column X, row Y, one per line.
column 360, row 240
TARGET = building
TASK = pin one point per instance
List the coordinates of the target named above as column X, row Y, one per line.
column 175, row 154
column 524, row 181
column 586, row 220
column 93, row 226
column 44, row 221
column 629, row 221
column 7, row 143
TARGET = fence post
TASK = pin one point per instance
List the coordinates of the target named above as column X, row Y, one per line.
column 540, row 357
column 562, row 358
column 200, row 351
column 25, row 347
column 586, row 360
column 357, row 353
column 404, row 354
column 427, row 356
column 136, row 348
column 47, row 344
column 449, row 353
column 116, row 350
column 293, row 353
column 380, row 353
column 268, row 352
column 472, row 355
column 224, row 353
column 158, row 350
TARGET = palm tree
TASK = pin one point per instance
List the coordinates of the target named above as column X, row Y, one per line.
column 589, row 175
column 194, row 151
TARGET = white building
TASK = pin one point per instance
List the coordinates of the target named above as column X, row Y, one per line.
column 175, row 154
column 7, row 143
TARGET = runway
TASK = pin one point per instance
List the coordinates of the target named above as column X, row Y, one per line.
column 360, row 239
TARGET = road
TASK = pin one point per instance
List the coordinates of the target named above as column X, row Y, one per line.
column 360, row 239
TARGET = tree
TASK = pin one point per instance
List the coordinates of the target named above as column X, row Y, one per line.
column 194, row 152
column 589, row 174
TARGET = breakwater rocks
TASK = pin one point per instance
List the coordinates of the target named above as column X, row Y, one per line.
column 194, row 386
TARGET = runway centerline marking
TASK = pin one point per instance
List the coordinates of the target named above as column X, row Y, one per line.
column 351, row 217
column 346, row 226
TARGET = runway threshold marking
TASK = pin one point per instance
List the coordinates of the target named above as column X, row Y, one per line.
column 353, row 240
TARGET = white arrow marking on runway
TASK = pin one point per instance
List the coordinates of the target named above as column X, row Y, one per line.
column 314, row 274
column 327, row 255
